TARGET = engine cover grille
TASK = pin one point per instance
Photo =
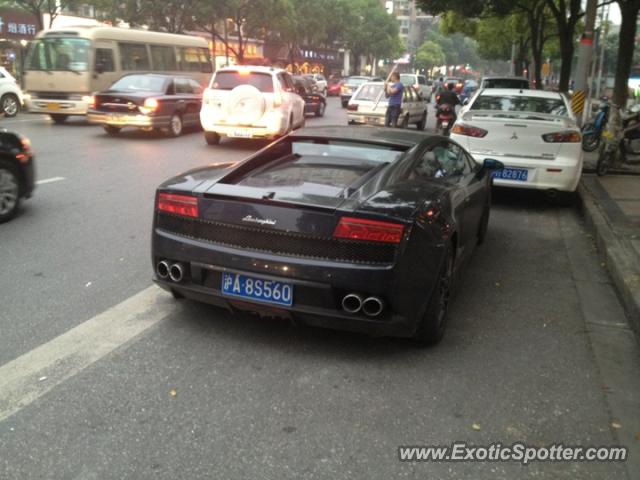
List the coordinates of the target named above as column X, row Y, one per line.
column 279, row 242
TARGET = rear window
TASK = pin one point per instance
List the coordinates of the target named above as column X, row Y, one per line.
column 140, row 83
column 370, row 93
column 356, row 80
column 229, row 80
column 408, row 79
column 502, row 103
column 320, row 167
column 505, row 83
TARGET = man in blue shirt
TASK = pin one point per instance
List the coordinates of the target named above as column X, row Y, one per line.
column 394, row 92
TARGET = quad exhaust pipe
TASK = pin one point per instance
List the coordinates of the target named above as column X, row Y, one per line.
column 370, row 306
column 174, row 272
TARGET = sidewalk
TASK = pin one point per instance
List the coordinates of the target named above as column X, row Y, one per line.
column 611, row 206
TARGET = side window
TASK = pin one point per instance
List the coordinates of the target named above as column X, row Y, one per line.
column 408, row 94
column 182, row 86
column 452, row 160
column 196, row 88
column 422, row 81
column 133, row 56
column 163, row 58
column 104, row 57
column 471, row 163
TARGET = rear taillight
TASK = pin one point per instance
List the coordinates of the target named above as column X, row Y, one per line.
column 468, row 131
column 352, row 107
column 368, row 230
column 569, row 136
column 183, row 205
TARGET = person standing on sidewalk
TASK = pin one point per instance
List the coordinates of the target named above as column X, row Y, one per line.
column 393, row 90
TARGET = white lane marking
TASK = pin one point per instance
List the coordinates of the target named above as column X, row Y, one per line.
column 75, row 350
column 49, row 180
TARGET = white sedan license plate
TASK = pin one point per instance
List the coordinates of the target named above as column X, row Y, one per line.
column 116, row 118
column 260, row 289
column 241, row 133
column 517, row 174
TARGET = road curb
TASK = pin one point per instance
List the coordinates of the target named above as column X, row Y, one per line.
column 621, row 259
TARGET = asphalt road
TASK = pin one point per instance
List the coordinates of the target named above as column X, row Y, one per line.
column 103, row 376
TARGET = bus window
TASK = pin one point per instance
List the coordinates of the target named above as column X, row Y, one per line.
column 205, row 60
column 133, row 56
column 189, row 59
column 163, row 58
column 104, row 58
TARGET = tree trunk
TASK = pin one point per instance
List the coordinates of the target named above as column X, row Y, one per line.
column 241, row 45
column 566, row 57
column 629, row 10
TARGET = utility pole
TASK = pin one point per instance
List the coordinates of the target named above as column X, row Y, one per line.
column 512, row 68
column 604, row 31
column 584, row 60
column 592, row 75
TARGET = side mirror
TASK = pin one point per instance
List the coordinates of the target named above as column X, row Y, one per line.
column 491, row 164
column 99, row 68
column 465, row 101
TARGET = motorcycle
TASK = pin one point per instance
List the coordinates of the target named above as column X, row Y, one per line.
column 627, row 145
column 444, row 117
column 592, row 131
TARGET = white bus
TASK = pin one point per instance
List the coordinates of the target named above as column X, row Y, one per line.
column 64, row 67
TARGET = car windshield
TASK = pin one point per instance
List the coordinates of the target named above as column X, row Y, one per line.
column 323, row 167
column 58, row 54
column 506, row 103
column 370, row 93
column 356, row 80
column 505, row 83
column 408, row 79
column 230, row 79
column 140, row 83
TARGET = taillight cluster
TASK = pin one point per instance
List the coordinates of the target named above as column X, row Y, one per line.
column 469, row 131
column 368, row 230
column 183, row 205
column 569, row 136
column 352, row 107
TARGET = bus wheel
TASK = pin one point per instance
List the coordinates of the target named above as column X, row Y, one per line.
column 58, row 118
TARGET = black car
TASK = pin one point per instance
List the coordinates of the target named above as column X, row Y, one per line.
column 149, row 101
column 314, row 102
column 351, row 228
column 17, row 173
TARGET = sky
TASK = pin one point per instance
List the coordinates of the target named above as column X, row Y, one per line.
column 614, row 14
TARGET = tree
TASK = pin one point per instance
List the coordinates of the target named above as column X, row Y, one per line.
column 429, row 55
column 38, row 8
column 627, row 37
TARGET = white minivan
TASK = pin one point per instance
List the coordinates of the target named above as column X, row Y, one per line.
column 250, row 102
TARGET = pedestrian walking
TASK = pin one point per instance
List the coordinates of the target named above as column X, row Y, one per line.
column 393, row 90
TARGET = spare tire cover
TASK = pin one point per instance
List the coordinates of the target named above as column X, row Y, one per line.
column 245, row 105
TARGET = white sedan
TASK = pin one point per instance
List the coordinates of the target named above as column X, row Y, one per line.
column 532, row 132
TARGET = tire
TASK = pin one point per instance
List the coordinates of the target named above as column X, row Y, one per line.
column 590, row 141
column 58, row 118
column 212, row 138
column 111, row 130
column 604, row 162
column 10, row 105
column 434, row 321
column 9, row 191
column 321, row 108
column 422, row 123
column 175, row 125
column 405, row 122
column 345, row 103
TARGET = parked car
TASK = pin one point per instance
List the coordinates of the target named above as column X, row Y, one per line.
column 369, row 104
column 149, row 101
column 351, row 228
column 419, row 82
column 11, row 97
column 314, row 102
column 505, row 82
column 532, row 132
column 348, row 88
column 250, row 102
column 321, row 81
column 458, row 84
column 17, row 173
column 333, row 89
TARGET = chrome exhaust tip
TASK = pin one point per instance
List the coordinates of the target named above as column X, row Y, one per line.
column 372, row 306
column 176, row 272
column 352, row 303
column 162, row 269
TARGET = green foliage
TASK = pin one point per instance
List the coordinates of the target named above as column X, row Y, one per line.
column 429, row 55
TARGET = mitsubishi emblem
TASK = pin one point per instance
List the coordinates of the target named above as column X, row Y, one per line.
column 514, row 136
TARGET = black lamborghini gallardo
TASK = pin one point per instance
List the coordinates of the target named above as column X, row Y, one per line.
column 352, row 228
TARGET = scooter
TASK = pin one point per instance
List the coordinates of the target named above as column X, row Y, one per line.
column 592, row 131
column 627, row 146
column 444, row 117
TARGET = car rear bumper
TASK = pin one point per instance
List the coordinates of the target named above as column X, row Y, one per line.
column 128, row 119
column 561, row 174
column 319, row 285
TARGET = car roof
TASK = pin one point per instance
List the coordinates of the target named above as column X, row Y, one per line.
column 505, row 78
column 520, row 91
column 251, row 68
column 390, row 136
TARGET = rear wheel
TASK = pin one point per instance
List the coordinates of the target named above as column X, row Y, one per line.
column 604, row 162
column 10, row 105
column 175, row 125
column 111, row 130
column 422, row 123
column 58, row 118
column 321, row 108
column 434, row 322
column 212, row 138
column 405, row 122
column 9, row 191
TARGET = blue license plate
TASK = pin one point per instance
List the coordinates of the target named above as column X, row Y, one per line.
column 517, row 174
column 269, row 291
